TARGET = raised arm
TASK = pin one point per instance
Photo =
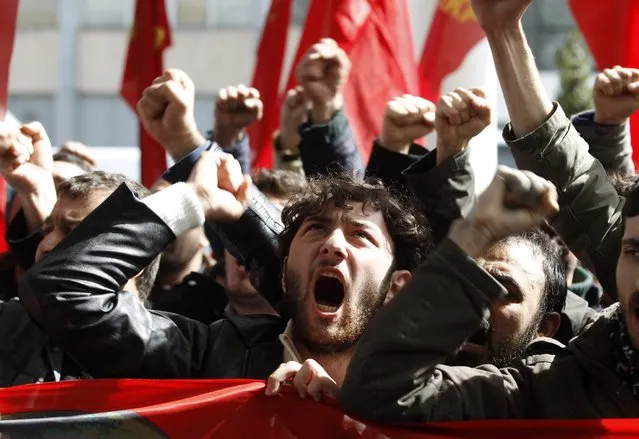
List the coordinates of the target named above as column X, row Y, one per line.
column 543, row 141
column 326, row 140
column 607, row 129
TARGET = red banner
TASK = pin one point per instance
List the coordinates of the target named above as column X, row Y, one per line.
column 233, row 409
column 150, row 36
column 266, row 79
column 611, row 29
column 453, row 33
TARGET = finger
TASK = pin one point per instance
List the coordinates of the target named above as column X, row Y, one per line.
column 254, row 93
column 281, row 375
column 461, row 105
column 243, row 194
column 633, row 88
column 314, row 388
column 624, row 74
column 449, row 110
column 232, row 101
column 180, row 77
column 42, row 155
column 615, row 80
column 603, row 85
column 242, row 92
column 301, row 380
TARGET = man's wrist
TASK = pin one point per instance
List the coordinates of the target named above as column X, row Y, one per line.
column 446, row 150
column 602, row 119
column 228, row 138
column 470, row 237
column 322, row 114
column 398, row 147
column 185, row 145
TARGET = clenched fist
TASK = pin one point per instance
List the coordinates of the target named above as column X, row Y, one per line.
column 166, row 111
column 406, row 119
column 514, row 202
column 616, row 95
column 220, row 186
column 461, row 115
column 26, row 159
column 294, row 113
column 26, row 163
column 235, row 109
column 322, row 74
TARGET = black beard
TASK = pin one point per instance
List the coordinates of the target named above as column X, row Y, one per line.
column 511, row 349
column 351, row 329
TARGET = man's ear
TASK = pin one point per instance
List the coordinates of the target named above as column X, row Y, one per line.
column 549, row 325
column 284, row 274
column 399, row 278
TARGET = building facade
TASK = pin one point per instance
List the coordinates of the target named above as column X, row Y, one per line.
column 69, row 56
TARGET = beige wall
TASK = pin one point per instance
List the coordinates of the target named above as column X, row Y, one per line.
column 213, row 57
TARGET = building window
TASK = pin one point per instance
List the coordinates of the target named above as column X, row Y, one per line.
column 37, row 13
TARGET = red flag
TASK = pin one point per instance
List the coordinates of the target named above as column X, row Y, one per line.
column 266, row 79
column 8, row 17
column 236, row 409
column 453, row 33
column 374, row 33
column 611, row 30
column 150, row 36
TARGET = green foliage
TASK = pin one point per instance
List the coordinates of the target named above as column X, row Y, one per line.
column 575, row 67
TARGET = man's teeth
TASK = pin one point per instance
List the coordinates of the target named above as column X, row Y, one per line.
column 327, row 309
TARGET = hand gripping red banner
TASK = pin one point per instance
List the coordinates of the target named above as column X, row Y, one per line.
column 233, row 409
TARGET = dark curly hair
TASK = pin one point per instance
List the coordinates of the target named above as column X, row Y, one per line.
column 411, row 235
column 278, row 182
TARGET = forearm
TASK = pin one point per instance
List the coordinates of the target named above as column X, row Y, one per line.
column 37, row 206
column 527, row 101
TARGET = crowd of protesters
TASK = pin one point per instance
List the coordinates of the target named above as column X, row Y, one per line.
column 390, row 286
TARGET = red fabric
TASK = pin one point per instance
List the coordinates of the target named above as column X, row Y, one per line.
column 266, row 79
column 453, row 33
column 235, row 409
column 377, row 36
column 150, row 36
column 8, row 17
column 611, row 29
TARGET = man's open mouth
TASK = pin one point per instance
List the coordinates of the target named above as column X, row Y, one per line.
column 478, row 342
column 329, row 292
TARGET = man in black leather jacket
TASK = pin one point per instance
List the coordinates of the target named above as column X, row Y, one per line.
column 352, row 245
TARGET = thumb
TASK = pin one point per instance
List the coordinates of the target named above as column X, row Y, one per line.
column 243, row 195
column 42, row 155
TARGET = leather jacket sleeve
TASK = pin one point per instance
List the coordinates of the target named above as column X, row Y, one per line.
column 388, row 165
column 445, row 192
column 253, row 239
column 74, row 294
column 329, row 147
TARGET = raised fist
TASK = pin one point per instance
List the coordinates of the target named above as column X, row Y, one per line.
column 308, row 379
column 322, row 74
column 616, row 95
column 26, row 160
column 235, row 109
column 26, row 163
column 294, row 113
column 514, row 202
column 219, row 184
column 499, row 14
column 166, row 111
column 461, row 115
column 406, row 119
